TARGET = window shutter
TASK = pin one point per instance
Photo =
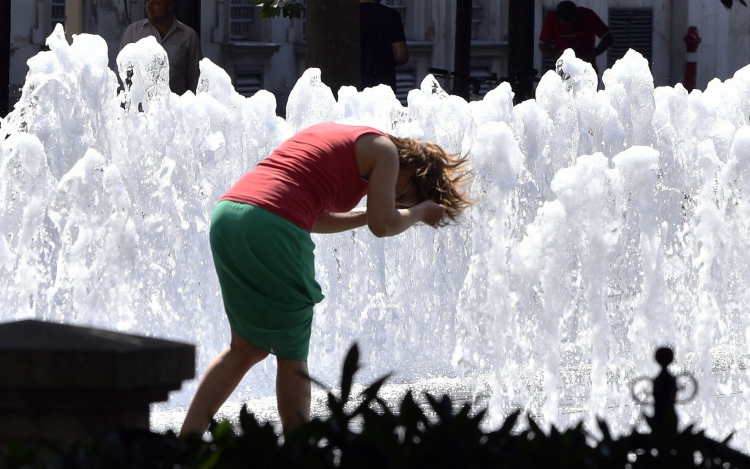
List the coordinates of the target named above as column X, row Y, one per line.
column 248, row 79
column 476, row 19
column 57, row 13
column 241, row 17
column 632, row 28
column 406, row 81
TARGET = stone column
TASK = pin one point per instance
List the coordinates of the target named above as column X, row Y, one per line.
column 73, row 18
column 64, row 383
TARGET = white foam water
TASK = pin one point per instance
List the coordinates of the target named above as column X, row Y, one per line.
column 606, row 223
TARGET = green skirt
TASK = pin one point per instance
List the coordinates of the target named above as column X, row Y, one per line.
column 266, row 269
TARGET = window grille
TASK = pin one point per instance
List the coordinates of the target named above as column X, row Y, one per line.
column 241, row 16
column 57, row 13
column 406, row 80
column 476, row 19
column 248, row 79
column 633, row 29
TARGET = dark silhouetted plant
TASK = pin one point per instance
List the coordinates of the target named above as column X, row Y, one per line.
column 362, row 432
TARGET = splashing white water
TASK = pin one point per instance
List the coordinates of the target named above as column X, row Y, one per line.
column 606, row 223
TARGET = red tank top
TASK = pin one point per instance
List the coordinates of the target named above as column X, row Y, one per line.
column 313, row 172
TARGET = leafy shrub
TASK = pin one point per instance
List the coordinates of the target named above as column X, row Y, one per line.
column 383, row 439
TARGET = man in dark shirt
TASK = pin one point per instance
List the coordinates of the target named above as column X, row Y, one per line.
column 577, row 28
column 383, row 43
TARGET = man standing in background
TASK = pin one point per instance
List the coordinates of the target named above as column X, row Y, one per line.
column 574, row 27
column 383, row 43
column 179, row 41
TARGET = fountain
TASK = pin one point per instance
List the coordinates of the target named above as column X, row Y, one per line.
column 607, row 223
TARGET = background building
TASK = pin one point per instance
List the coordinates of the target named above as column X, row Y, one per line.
column 270, row 53
column 656, row 29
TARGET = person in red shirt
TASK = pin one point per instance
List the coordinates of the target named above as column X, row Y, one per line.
column 574, row 27
column 263, row 252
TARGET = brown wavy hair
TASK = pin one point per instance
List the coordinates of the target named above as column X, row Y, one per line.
column 440, row 176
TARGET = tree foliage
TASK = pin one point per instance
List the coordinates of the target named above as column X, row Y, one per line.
column 288, row 8
column 332, row 37
column 728, row 3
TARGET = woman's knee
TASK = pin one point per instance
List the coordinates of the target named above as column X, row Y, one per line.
column 245, row 349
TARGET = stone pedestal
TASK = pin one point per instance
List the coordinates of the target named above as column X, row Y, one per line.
column 64, row 383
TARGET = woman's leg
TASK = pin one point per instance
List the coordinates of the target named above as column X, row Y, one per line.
column 292, row 392
column 218, row 382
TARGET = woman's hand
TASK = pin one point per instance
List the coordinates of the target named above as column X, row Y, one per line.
column 432, row 213
column 390, row 194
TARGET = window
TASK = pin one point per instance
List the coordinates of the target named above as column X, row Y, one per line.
column 632, row 28
column 476, row 20
column 57, row 13
column 406, row 81
column 304, row 20
column 241, row 16
column 248, row 79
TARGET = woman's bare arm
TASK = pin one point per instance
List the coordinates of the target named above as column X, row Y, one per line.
column 338, row 222
column 377, row 158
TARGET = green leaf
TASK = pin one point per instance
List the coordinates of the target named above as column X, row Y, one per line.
column 248, row 422
column 269, row 11
column 443, row 408
column 373, row 389
column 293, row 10
column 479, row 416
column 351, row 366
column 463, row 412
column 604, row 429
column 371, row 394
column 384, row 409
column 535, row 426
column 509, row 423
column 223, row 432
column 274, row 8
column 334, row 404
column 410, row 414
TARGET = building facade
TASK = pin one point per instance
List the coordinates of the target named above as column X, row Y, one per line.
column 657, row 28
column 270, row 53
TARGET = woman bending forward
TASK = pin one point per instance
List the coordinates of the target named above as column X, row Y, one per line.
column 263, row 253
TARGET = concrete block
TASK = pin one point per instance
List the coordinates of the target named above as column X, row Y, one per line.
column 64, row 383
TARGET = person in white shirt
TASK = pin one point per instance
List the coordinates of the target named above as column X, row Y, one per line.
column 181, row 43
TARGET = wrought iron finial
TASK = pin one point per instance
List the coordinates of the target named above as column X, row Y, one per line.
column 666, row 389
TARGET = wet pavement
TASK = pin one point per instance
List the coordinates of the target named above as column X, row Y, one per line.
column 392, row 393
